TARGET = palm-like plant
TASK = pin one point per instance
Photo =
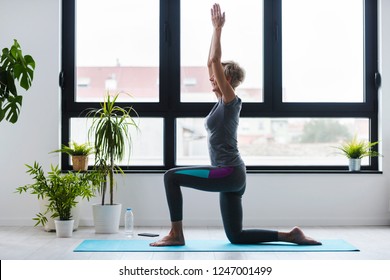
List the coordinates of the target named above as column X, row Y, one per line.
column 357, row 149
column 110, row 130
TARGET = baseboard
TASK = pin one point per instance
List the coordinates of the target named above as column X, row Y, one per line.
column 265, row 222
column 16, row 222
column 380, row 221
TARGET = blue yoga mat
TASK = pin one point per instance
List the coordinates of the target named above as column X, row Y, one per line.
column 135, row 245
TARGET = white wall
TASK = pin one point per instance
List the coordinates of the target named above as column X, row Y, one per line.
column 270, row 200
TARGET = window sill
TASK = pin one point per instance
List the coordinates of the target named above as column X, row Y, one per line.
column 274, row 172
column 262, row 171
column 313, row 172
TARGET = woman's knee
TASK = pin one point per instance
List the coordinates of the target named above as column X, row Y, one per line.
column 235, row 237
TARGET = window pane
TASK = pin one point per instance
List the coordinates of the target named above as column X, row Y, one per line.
column 147, row 148
column 242, row 41
column 191, row 142
column 117, row 49
column 322, row 50
column 276, row 141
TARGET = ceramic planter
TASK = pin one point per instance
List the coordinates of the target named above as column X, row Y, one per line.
column 64, row 228
column 354, row 164
column 106, row 218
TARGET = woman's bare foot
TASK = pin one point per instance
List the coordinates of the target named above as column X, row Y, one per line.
column 174, row 238
column 297, row 236
column 168, row 241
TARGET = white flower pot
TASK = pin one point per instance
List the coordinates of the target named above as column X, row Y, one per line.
column 64, row 228
column 354, row 164
column 50, row 226
column 106, row 218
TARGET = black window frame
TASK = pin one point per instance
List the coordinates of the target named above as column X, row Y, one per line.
column 170, row 108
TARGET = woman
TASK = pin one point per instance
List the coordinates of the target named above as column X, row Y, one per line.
column 227, row 173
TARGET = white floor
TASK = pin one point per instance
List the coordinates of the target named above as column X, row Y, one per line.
column 29, row 243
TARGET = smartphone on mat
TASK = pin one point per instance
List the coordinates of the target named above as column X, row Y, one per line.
column 148, row 234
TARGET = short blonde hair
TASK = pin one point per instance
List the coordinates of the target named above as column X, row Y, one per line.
column 235, row 72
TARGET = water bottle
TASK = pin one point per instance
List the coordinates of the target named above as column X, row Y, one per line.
column 129, row 223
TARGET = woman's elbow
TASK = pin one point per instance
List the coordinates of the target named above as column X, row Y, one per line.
column 214, row 60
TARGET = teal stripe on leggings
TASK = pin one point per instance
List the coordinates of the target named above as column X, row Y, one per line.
column 202, row 173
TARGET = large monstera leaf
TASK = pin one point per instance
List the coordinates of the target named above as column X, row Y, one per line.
column 14, row 67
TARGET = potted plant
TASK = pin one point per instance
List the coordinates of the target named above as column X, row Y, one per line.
column 79, row 154
column 355, row 150
column 14, row 67
column 61, row 192
column 110, row 131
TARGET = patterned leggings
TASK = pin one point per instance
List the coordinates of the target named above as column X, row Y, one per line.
column 230, row 182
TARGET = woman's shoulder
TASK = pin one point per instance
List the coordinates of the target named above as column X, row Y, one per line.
column 235, row 101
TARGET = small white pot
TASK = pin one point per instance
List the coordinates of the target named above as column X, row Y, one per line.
column 354, row 164
column 64, row 228
column 106, row 218
column 50, row 226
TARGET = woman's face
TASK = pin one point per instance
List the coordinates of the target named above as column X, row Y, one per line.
column 214, row 84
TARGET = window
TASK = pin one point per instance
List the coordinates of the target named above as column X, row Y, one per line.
column 117, row 48
column 195, row 26
column 143, row 151
column 276, row 141
column 311, row 68
column 322, row 51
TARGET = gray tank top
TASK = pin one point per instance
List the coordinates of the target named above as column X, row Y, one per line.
column 221, row 125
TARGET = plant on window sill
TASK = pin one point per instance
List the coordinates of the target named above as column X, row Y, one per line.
column 355, row 150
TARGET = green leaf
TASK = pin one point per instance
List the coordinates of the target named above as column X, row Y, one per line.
column 14, row 67
column 10, row 86
column 12, row 109
column 2, row 114
column 356, row 149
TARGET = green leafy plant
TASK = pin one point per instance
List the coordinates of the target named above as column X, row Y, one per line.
column 356, row 149
column 61, row 190
column 75, row 149
column 14, row 67
column 110, row 130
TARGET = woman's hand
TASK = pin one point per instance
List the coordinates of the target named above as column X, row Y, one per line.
column 217, row 17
